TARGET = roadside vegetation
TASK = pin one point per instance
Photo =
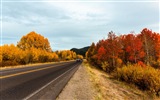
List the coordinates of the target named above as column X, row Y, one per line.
column 132, row 58
column 146, row 78
column 107, row 88
column 32, row 48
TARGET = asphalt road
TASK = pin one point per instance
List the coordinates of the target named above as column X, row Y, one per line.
column 32, row 82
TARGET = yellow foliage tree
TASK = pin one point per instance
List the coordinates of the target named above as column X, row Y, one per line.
column 32, row 48
column 35, row 40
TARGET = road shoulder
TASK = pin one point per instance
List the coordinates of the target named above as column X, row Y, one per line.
column 79, row 87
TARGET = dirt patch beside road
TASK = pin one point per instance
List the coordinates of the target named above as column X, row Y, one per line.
column 79, row 87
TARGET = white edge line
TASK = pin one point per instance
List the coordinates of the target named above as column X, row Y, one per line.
column 26, row 98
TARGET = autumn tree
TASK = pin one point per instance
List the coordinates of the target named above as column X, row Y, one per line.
column 79, row 57
column 113, row 52
column 157, row 46
column 101, row 54
column 150, row 44
column 32, row 48
column 105, row 53
column 90, row 54
column 66, row 55
column 146, row 37
column 108, row 52
column 133, row 48
column 113, row 47
column 35, row 40
column 10, row 55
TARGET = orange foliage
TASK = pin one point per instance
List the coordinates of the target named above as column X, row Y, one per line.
column 32, row 48
column 133, row 48
column 143, row 48
column 68, row 55
column 35, row 40
column 140, row 63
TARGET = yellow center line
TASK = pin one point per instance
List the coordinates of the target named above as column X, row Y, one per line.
column 16, row 74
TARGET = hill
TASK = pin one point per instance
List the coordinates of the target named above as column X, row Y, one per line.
column 81, row 51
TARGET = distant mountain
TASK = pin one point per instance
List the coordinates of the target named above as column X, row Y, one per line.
column 81, row 51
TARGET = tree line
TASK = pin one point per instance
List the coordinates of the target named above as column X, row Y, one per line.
column 32, row 48
column 130, row 57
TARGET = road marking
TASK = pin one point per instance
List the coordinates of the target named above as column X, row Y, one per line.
column 16, row 74
column 47, row 84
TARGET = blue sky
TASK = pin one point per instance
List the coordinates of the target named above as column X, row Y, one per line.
column 69, row 24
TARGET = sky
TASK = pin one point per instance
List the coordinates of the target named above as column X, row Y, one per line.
column 76, row 23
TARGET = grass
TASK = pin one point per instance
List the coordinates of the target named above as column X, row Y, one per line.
column 94, row 79
column 108, row 88
column 146, row 78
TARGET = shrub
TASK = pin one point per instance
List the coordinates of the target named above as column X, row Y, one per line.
column 156, row 64
column 146, row 78
column 9, row 63
column 105, row 66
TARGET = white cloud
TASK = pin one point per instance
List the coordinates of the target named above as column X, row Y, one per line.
column 82, row 11
column 76, row 24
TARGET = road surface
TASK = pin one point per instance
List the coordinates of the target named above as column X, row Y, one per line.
column 31, row 83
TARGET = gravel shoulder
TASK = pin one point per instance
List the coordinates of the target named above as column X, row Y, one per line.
column 79, row 87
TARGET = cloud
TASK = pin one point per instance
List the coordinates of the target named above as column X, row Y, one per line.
column 134, row 16
column 76, row 24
